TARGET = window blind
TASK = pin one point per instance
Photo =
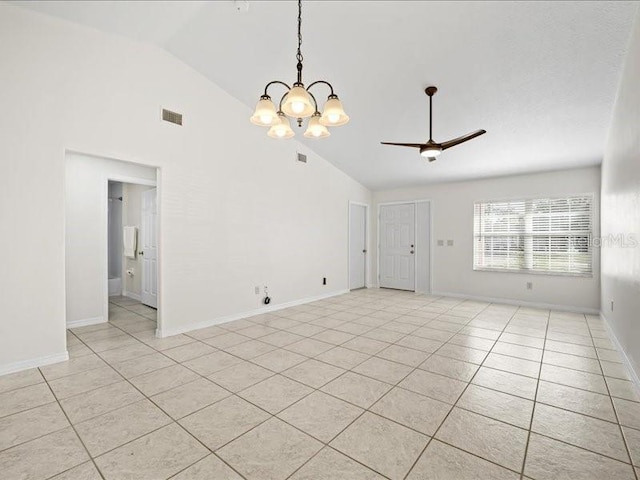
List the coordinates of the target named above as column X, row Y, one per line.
column 547, row 235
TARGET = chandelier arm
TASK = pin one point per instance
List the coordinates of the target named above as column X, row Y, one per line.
column 274, row 82
column 280, row 103
column 315, row 103
column 322, row 81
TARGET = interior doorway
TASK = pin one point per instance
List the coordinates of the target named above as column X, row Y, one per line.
column 102, row 197
column 132, row 235
column 404, row 246
column 358, row 227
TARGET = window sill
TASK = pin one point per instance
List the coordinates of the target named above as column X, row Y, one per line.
column 534, row 272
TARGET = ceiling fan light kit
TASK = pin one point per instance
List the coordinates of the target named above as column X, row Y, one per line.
column 298, row 103
column 430, row 150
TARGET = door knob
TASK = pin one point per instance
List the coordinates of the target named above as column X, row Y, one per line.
column 411, row 252
column 364, row 251
column 140, row 253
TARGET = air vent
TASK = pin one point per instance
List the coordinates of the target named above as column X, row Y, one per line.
column 302, row 158
column 171, row 117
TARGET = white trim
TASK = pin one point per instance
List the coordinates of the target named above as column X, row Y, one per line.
column 161, row 333
column 625, row 359
column 367, row 221
column 376, row 283
column 135, row 180
column 83, row 322
column 520, row 303
column 33, row 363
column 132, row 295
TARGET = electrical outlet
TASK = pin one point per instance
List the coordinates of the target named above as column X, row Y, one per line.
column 324, row 280
column 612, row 305
column 529, row 285
column 257, row 290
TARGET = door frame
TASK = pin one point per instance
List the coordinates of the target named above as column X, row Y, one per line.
column 415, row 257
column 367, row 269
column 105, row 207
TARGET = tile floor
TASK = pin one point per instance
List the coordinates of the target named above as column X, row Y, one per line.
column 369, row 385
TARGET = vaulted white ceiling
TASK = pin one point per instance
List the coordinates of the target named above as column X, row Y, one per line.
column 540, row 77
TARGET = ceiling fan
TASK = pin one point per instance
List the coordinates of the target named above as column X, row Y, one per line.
column 432, row 149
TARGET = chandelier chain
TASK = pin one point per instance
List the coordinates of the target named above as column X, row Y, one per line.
column 299, row 56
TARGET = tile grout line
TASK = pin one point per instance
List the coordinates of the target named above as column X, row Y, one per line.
column 431, row 439
column 365, row 410
column 173, row 421
column 256, row 426
column 327, row 444
column 380, row 326
column 368, row 409
column 74, row 431
column 535, row 398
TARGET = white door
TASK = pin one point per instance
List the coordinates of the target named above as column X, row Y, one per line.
column 149, row 247
column 357, row 246
column 397, row 246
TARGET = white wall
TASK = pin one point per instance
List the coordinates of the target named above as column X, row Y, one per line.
column 86, row 233
column 236, row 209
column 621, row 209
column 452, row 213
column 132, row 216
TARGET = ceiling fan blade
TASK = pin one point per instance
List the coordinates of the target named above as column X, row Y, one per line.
column 462, row 139
column 413, row 145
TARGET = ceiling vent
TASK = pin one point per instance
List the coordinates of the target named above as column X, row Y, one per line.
column 171, row 117
column 302, row 157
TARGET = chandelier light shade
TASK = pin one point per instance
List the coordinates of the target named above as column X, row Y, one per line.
column 333, row 114
column 265, row 114
column 298, row 102
column 315, row 129
column 282, row 128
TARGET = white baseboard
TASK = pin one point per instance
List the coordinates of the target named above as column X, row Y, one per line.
column 163, row 332
column 33, row 363
column 135, row 296
column 627, row 362
column 521, row 303
column 85, row 321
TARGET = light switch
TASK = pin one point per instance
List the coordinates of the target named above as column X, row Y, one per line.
column 441, row 243
column 449, row 243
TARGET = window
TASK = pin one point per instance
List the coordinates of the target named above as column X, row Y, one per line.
column 545, row 235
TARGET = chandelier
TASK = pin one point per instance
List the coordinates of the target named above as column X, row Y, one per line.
column 299, row 103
